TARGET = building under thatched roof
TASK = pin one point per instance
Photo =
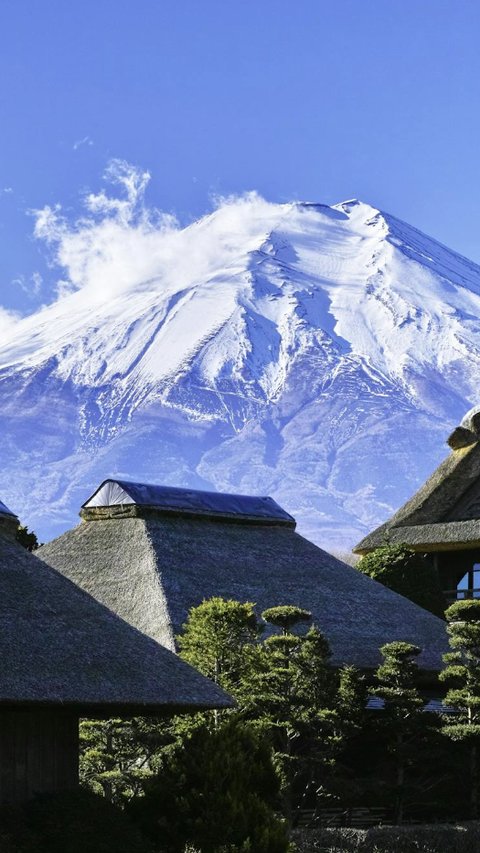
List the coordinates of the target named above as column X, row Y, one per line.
column 65, row 655
column 443, row 517
column 151, row 553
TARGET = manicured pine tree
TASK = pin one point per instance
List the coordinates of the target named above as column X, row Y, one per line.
column 350, row 717
column 462, row 672
column 215, row 637
column 286, row 616
column 118, row 756
column 294, row 696
column 402, row 719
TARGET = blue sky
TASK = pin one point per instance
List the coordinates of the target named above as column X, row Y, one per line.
column 308, row 100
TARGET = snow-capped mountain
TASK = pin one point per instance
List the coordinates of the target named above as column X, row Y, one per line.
column 318, row 354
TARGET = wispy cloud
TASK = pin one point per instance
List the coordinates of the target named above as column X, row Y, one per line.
column 31, row 286
column 8, row 321
column 121, row 243
column 110, row 245
column 80, row 142
column 6, row 190
column 36, row 283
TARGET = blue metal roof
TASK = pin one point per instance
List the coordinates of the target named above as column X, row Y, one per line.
column 434, row 706
column 4, row 510
column 188, row 501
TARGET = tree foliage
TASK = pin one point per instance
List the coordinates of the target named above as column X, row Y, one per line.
column 118, row 756
column 215, row 636
column 216, row 791
column 462, row 672
column 286, row 617
column 403, row 718
column 284, row 685
column 27, row 538
column 305, row 715
column 407, row 572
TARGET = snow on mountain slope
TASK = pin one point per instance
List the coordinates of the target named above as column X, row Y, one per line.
column 319, row 354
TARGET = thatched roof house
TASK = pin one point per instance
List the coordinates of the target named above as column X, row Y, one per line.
column 150, row 553
column 65, row 655
column 443, row 517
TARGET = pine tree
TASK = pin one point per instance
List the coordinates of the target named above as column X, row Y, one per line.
column 285, row 688
column 286, row 616
column 462, row 671
column 214, row 638
column 294, row 698
column 402, row 719
column 284, row 685
column 117, row 756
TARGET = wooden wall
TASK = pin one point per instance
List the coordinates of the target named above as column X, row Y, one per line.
column 38, row 752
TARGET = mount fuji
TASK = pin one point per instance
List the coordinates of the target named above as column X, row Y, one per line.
column 317, row 354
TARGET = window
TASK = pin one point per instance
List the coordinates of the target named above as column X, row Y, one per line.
column 469, row 585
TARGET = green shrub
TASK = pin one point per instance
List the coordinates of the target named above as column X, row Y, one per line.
column 407, row 572
column 70, row 822
column 216, row 792
column 435, row 838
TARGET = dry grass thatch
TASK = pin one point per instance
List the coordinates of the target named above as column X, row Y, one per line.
column 59, row 645
column 445, row 512
column 152, row 569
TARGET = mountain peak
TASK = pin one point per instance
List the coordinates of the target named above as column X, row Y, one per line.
column 299, row 349
column 349, row 202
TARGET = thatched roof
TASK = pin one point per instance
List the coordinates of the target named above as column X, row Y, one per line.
column 152, row 568
column 445, row 512
column 58, row 645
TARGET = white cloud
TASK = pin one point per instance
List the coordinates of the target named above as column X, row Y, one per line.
column 64, row 288
column 121, row 244
column 7, row 190
column 32, row 286
column 36, row 283
column 85, row 141
column 49, row 224
column 132, row 182
column 8, row 321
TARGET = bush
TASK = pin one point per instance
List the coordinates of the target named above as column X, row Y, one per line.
column 407, row 572
column 216, row 792
column 70, row 822
column 435, row 838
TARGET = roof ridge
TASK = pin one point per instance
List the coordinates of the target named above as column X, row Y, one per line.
column 119, row 495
